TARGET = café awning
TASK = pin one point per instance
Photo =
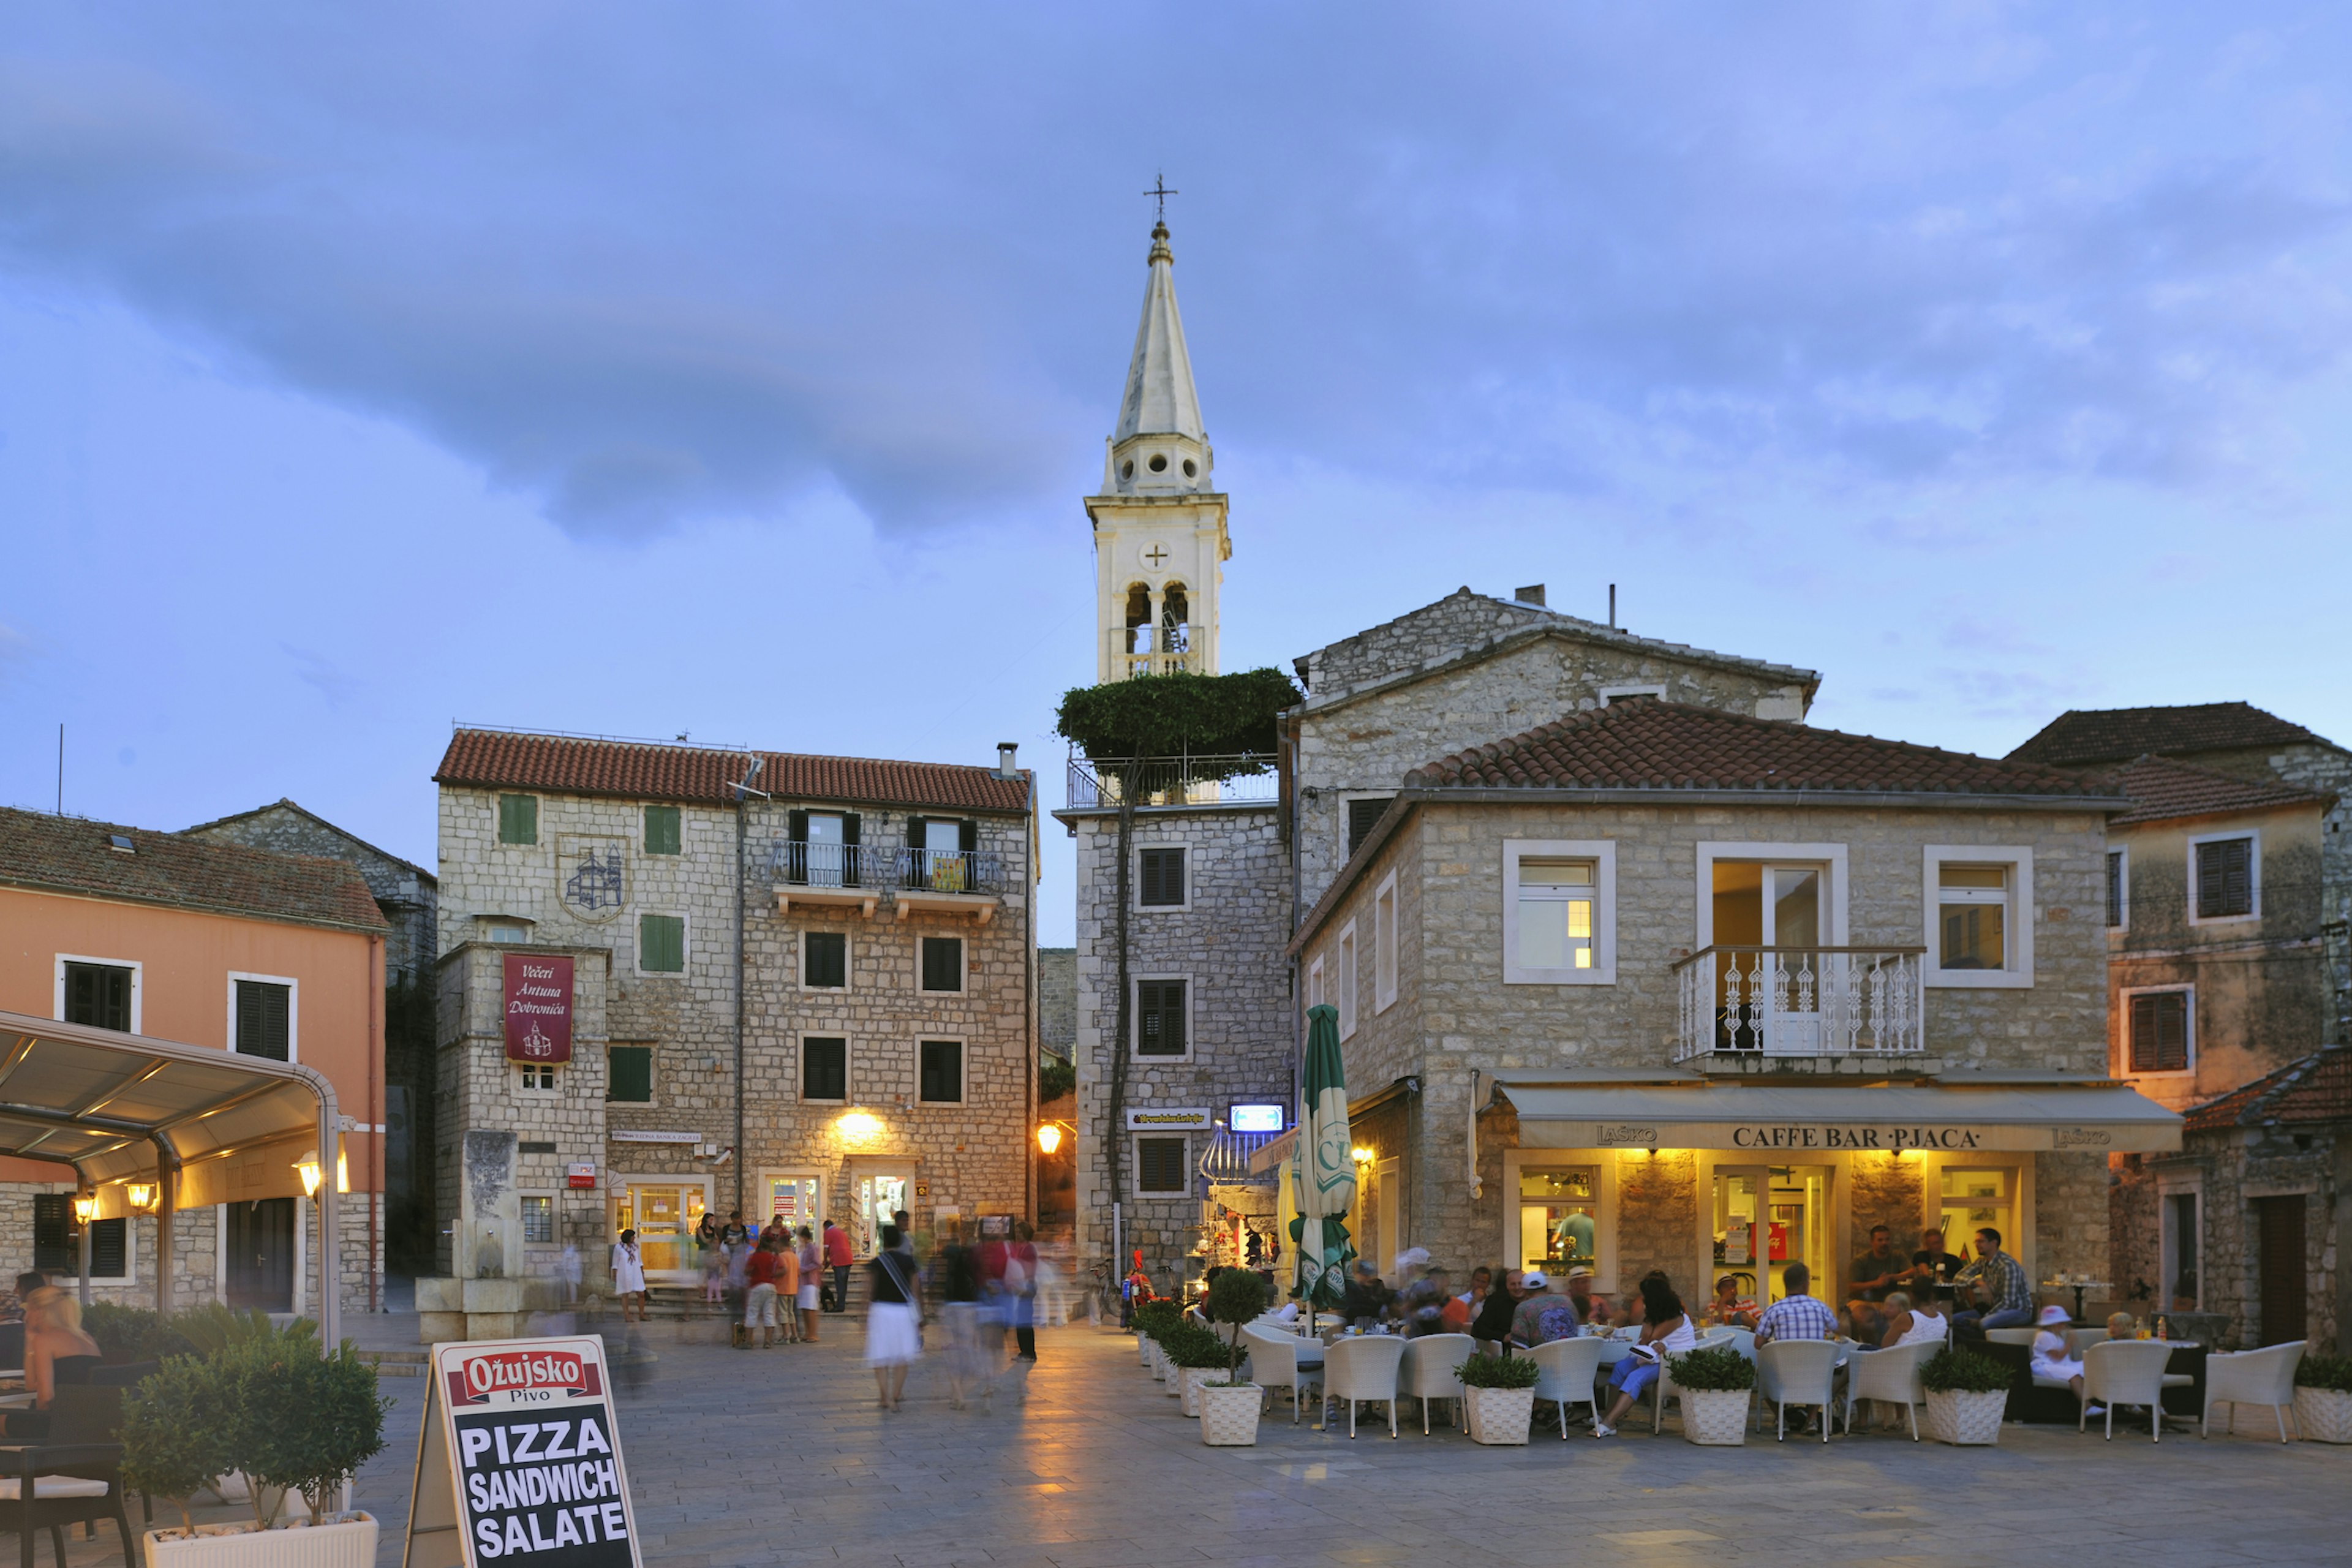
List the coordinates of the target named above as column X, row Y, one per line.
column 198, row 1125
column 1951, row 1114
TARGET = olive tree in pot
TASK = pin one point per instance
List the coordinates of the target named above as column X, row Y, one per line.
column 1499, row 1394
column 1194, row 1355
column 1716, row 1385
column 1968, row 1394
column 2323, row 1398
column 1229, row 1406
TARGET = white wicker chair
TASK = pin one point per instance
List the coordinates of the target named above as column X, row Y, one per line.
column 1273, row 1363
column 2125, row 1371
column 1565, row 1371
column 2265, row 1376
column 1800, row 1372
column 2080, row 1340
column 1891, row 1376
column 2010, row 1336
column 1427, row 1372
column 1361, row 1368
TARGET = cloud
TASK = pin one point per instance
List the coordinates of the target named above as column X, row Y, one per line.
column 17, row 652
column 323, row 676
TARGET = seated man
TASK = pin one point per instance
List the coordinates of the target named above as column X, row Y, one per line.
column 1589, row 1307
column 1729, row 1308
column 1880, row 1270
column 1933, row 1270
column 1545, row 1315
column 1999, row 1294
column 1366, row 1300
column 1796, row 1316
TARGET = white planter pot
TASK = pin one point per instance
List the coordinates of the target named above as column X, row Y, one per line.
column 2324, row 1414
column 1229, row 1416
column 1192, row 1378
column 1171, row 1377
column 1159, row 1362
column 348, row 1544
column 1955, row 1416
column 1499, row 1416
column 1143, row 1350
column 1717, row 1417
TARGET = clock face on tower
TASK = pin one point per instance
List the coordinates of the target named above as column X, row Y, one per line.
column 1154, row 555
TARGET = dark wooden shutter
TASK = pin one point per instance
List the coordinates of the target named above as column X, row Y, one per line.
column 110, row 1248
column 824, row 1068
column 917, row 830
column 942, row 1071
column 53, row 1242
column 1160, row 1164
column 851, row 859
column 1362, row 814
column 2279, row 1229
column 631, row 1077
column 2114, row 887
column 968, row 835
column 1162, row 876
column 2225, row 877
column 2159, row 1031
column 263, row 1020
column 824, row 959
column 943, row 963
column 98, row 995
column 1160, row 1007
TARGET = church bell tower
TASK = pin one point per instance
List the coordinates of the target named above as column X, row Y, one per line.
column 1159, row 520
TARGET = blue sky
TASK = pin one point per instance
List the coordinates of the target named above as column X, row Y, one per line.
column 736, row 371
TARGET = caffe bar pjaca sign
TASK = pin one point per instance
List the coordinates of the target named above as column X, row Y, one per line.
column 1832, row 1136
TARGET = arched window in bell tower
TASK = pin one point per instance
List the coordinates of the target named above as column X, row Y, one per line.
column 1175, row 620
column 1138, row 618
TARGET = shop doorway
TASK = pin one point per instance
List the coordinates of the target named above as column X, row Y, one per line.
column 874, row 1195
column 1771, row 997
column 1974, row 1198
column 2278, row 1228
column 1767, row 1217
column 792, row 1199
column 1559, row 1208
column 260, row 1243
column 664, row 1214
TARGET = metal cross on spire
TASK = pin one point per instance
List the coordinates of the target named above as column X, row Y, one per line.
column 1160, row 190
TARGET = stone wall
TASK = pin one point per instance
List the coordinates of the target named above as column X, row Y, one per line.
column 405, row 893
column 1888, row 1192
column 2234, row 1169
column 1657, row 1223
column 1057, row 1000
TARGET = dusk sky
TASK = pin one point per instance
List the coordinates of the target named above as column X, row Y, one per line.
column 736, row 370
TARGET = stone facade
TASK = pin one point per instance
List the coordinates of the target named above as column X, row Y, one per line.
column 406, row 893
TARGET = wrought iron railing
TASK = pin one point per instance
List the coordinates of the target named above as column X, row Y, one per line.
column 1801, row 1002
column 885, row 866
column 1171, row 781
column 947, row 871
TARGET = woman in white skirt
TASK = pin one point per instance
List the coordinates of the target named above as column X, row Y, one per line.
column 894, row 1319
column 629, row 1275
column 805, row 1299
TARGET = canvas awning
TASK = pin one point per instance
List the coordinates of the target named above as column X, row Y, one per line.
column 1949, row 1114
column 202, row 1126
column 1230, row 1160
column 1270, row 1155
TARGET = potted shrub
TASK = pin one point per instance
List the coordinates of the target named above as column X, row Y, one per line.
column 2323, row 1398
column 1229, row 1406
column 1716, row 1386
column 1499, row 1394
column 1151, row 1319
column 1193, row 1353
column 1968, row 1394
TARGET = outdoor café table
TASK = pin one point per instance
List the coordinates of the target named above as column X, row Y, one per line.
column 2186, row 1401
column 2078, row 1287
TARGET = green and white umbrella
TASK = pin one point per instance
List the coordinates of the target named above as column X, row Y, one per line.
column 1326, row 1173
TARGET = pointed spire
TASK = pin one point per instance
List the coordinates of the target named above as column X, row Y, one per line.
column 1159, row 399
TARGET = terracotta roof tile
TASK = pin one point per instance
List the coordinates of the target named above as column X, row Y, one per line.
column 2318, row 1088
column 2161, row 791
column 1640, row 742
column 70, row 855
column 2086, row 736
column 559, row 764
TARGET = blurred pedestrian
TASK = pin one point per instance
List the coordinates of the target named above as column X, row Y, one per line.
column 812, row 1262
column 893, row 1319
column 714, row 1270
column 759, row 1304
column 568, row 1269
column 837, row 1259
column 1021, row 1288
column 629, row 1275
column 960, row 1284
column 788, row 1286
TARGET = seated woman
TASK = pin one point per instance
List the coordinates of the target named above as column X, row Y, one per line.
column 2051, row 1359
column 1910, row 1322
column 58, row 1354
column 1665, row 1329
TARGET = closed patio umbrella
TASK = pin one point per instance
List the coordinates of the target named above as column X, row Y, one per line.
column 1327, row 1174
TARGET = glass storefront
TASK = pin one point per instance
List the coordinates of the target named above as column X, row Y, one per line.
column 1974, row 1197
column 874, row 1197
column 1559, row 1214
column 792, row 1200
column 664, row 1215
column 1767, row 1217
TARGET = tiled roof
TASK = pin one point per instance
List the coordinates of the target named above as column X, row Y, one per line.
column 1640, row 742
column 70, row 855
column 2161, row 791
column 2086, row 736
column 2317, row 1089
column 560, row 764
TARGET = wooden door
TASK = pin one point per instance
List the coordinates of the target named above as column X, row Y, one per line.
column 261, row 1254
column 2279, row 1236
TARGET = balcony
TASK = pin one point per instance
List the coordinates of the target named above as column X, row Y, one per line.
column 947, row 882
column 1171, row 781
column 1138, row 651
column 944, row 881
column 1739, row 1004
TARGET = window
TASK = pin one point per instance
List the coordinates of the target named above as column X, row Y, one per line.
column 1163, row 879
column 1979, row 915
column 661, row 944
column 1160, row 1018
column 823, row 849
column 824, row 959
column 1559, row 912
column 941, row 854
column 504, row 928
column 538, row 1075
column 1384, row 944
column 632, row 1074
column 99, row 995
column 1314, row 984
column 1346, row 980
column 942, row 1072
column 538, row 1219
column 1160, row 1164
column 1363, row 816
column 824, row 1068
column 2226, row 880
column 943, row 963
column 2179, row 1243
column 265, row 1019
column 2159, row 1025
column 1972, row 913
column 662, row 835
column 2118, row 890
column 57, row 1244
column 518, row 819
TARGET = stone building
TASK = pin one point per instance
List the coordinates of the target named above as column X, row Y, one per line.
column 1661, row 987
column 810, row 996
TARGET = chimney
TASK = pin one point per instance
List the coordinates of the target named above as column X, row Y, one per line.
column 1006, row 751
column 1533, row 594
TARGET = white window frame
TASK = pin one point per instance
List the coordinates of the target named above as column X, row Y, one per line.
column 2019, row 860
column 2168, row 1241
column 2188, row 1031
column 1347, row 798
column 517, row 1072
column 2123, row 886
column 963, row 1066
column 2254, row 877
column 963, row 963
column 1349, row 978
column 1134, row 1165
column 1830, row 857
column 1135, row 873
column 138, row 984
column 130, row 1275
column 1602, row 853
column 1135, row 1016
column 848, row 966
column 1604, row 1162
column 848, row 1064
column 1384, row 944
column 293, row 1008
column 492, row 924
column 1314, row 982
column 685, row 944
column 1608, row 694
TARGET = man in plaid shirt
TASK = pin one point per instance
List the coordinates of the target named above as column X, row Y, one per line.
column 2004, row 1284
column 1795, row 1316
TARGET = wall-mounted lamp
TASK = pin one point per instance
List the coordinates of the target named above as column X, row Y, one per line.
column 859, row 1125
column 85, row 1207
column 1362, row 1155
column 308, row 1170
column 142, row 1194
column 1049, row 1138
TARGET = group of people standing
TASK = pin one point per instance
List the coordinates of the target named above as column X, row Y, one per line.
column 774, row 1277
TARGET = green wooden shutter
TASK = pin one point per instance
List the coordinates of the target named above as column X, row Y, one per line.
column 662, row 833
column 518, row 819
column 110, row 1246
column 918, row 831
column 632, row 1073
column 1363, row 815
column 661, row 944
column 942, row 1072
column 943, row 963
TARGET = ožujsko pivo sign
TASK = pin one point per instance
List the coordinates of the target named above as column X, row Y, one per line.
column 519, row 1460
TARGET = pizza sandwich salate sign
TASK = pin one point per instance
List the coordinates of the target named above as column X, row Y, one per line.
column 519, row 1460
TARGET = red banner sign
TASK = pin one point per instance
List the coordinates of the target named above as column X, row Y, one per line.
column 539, row 1008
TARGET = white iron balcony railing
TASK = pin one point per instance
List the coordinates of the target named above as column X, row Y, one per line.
column 1171, row 781
column 1139, row 650
column 1801, row 1002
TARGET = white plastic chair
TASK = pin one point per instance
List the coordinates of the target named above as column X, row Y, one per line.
column 1427, row 1372
column 2125, row 1371
column 1273, row 1363
column 1565, row 1371
column 1800, row 1372
column 1891, row 1376
column 1362, row 1368
column 2265, row 1376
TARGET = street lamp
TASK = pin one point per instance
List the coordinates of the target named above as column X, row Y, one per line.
column 308, row 1169
column 85, row 1207
column 1049, row 1138
column 141, row 1193
column 1362, row 1155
